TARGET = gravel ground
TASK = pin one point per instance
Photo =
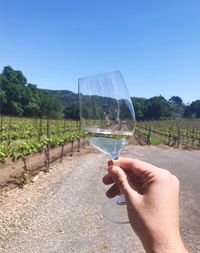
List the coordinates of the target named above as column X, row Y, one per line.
column 61, row 212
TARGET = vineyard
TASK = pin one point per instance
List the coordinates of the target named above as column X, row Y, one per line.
column 28, row 144
column 20, row 137
column 179, row 133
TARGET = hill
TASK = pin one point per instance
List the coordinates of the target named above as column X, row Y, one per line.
column 20, row 98
column 66, row 97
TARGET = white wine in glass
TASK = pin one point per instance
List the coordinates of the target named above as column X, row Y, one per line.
column 108, row 120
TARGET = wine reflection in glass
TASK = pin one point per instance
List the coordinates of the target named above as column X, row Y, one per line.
column 108, row 120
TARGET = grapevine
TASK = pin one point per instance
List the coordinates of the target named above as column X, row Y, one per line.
column 21, row 137
column 177, row 132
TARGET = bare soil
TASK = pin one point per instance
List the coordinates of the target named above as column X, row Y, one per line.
column 12, row 171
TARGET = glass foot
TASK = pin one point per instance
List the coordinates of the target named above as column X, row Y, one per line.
column 115, row 210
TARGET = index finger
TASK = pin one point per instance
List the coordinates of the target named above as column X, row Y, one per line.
column 134, row 165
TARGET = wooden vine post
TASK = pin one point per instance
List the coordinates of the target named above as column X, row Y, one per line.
column 199, row 143
column 1, row 128
column 79, row 139
column 72, row 148
column 47, row 149
column 63, row 145
column 25, row 173
column 64, row 126
column 178, row 137
column 149, row 135
column 170, row 136
column 84, row 141
column 40, row 130
column 193, row 137
column 9, row 131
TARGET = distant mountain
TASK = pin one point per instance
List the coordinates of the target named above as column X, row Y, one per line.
column 66, row 97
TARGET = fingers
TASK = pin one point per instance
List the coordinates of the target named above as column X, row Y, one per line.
column 121, row 178
column 127, row 175
column 136, row 166
column 135, row 180
column 113, row 191
column 107, row 179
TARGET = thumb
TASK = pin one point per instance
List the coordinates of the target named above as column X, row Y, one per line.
column 121, row 179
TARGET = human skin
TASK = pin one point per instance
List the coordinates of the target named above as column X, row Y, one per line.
column 152, row 197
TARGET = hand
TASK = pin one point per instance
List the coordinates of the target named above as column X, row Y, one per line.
column 152, row 197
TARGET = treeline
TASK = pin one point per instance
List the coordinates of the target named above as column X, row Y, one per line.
column 20, row 98
column 158, row 107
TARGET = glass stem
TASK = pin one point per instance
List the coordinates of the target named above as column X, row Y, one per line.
column 121, row 200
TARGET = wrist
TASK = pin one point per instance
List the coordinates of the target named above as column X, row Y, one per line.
column 166, row 246
column 170, row 249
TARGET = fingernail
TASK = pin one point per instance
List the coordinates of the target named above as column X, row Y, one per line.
column 110, row 163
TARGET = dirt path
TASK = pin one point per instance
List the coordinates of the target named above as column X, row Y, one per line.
column 61, row 212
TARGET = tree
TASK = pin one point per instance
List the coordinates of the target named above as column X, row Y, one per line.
column 13, row 84
column 175, row 100
column 187, row 112
column 158, row 107
column 15, row 108
column 72, row 111
column 14, row 76
column 177, row 106
column 141, row 107
column 193, row 110
column 49, row 105
column 19, row 98
column 2, row 99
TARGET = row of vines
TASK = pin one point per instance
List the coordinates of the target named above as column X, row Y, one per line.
column 20, row 137
column 179, row 133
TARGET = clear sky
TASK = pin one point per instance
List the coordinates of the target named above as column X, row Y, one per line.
column 155, row 44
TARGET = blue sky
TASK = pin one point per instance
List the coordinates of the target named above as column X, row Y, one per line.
column 155, row 44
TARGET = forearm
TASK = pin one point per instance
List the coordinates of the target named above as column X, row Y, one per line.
column 152, row 197
column 174, row 249
column 175, row 246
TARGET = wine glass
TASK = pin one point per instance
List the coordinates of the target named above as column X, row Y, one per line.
column 108, row 120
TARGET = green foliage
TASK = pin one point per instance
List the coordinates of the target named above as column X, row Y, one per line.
column 193, row 110
column 155, row 140
column 178, row 132
column 176, row 106
column 153, row 108
column 141, row 107
column 2, row 155
column 72, row 111
column 16, row 108
column 17, row 97
column 176, row 100
column 66, row 97
column 158, row 107
column 24, row 136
